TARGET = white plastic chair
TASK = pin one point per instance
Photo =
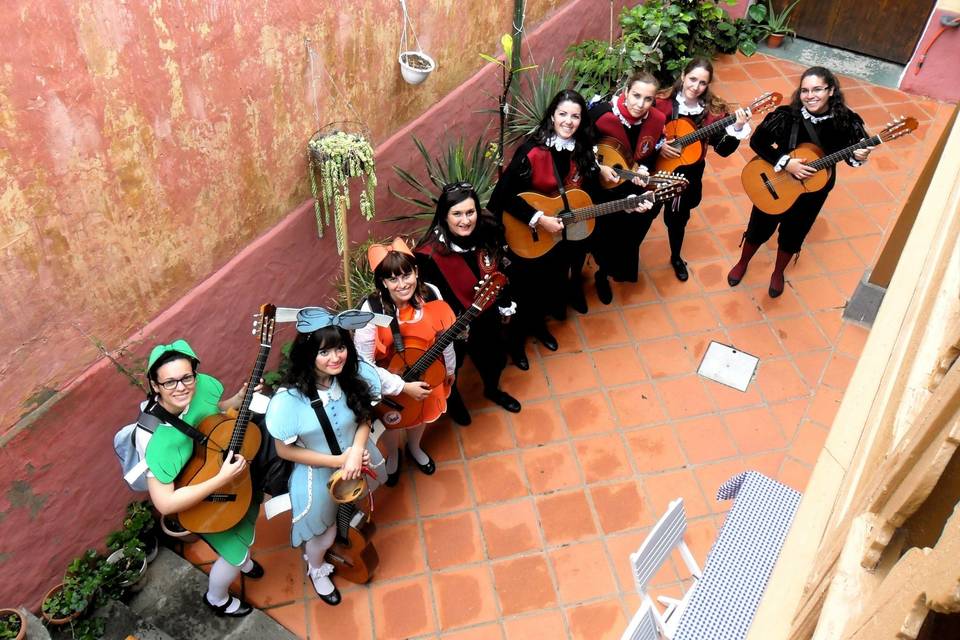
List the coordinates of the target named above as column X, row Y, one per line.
column 642, row 626
column 665, row 536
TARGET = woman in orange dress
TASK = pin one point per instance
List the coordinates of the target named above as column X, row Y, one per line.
column 419, row 316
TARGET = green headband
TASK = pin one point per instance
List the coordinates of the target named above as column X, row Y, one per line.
column 178, row 346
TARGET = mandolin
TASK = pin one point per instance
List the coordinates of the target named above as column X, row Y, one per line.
column 421, row 362
column 353, row 554
column 221, row 510
column 578, row 221
column 774, row 192
column 682, row 133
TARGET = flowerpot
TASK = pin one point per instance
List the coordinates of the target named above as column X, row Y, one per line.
column 173, row 529
column 774, row 40
column 22, row 633
column 151, row 546
column 54, row 620
column 118, row 556
column 415, row 66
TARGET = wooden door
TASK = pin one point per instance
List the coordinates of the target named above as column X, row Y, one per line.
column 887, row 29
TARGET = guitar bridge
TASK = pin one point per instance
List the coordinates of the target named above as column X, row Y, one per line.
column 769, row 186
column 221, row 497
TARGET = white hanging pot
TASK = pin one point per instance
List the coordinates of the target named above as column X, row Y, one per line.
column 415, row 66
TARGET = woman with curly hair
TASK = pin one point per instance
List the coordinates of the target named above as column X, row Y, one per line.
column 324, row 367
column 818, row 114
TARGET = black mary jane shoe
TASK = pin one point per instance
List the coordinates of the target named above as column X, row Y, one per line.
column 333, row 598
column 394, row 478
column 426, row 469
column 221, row 611
column 255, row 573
column 604, row 292
column 547, row 339
column 504, row 399
column 680, row 269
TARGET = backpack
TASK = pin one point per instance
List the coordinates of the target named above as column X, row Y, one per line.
column 134, row 467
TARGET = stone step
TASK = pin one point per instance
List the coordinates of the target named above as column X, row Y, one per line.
column 170, row 599
column 122, row 622
column 35, row 627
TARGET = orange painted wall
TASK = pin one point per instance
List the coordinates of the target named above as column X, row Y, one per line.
column 143, row 144
column 180, row 226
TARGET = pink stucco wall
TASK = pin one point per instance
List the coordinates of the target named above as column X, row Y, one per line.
column 60, row 489
column 939, row 77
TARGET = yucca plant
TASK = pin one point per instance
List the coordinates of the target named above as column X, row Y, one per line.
column 533, row 99
column 459, row 162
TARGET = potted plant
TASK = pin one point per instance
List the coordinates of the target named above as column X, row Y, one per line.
column 131, row 563
column 13, row 626
column 415, row 65
column 338, row 152
column 140, row 525
column 68, row 600
column 777, row 26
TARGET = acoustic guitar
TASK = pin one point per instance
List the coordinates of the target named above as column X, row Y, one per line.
column 614, row 154
column 421, row 362
column 683, row 134
column 352, row 553
column 226, row 432
column 578, row 221
column 775, row 191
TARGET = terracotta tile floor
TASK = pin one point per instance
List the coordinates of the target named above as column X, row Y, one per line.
column 525, row 529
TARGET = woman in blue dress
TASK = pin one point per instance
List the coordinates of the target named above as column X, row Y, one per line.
column 324, row 363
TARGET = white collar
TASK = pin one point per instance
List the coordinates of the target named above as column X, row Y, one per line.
column 624, row 121
column 684, row 110
column 812, row 118
column 457, row 248
column 333, row 393
column 561, row 144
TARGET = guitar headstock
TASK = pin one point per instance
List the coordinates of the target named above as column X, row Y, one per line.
column 667, row 178
column 667, row 191
column 488, row 289
column 264, row 322
column 766, row 102
column 899, row 127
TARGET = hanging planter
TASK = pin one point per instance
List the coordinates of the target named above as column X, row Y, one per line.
column 415, row 65
column 338, row 152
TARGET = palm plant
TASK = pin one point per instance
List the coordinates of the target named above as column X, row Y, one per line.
column 779, row 23
column 532, row 101
column 459, row 162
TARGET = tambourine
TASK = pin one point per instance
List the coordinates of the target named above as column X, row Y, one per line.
column 344, row 491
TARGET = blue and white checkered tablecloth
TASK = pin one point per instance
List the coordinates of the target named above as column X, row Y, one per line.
column 738, row 567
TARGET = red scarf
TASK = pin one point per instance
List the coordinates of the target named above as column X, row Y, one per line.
column 622, row 108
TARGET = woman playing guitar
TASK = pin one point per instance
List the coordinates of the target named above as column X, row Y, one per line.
column 463, row 245
column 562, row 146
column 817, row 113
column 419, row 315
column 637, row 129
column 323, row 365
column 691, row 98
column 179, row 391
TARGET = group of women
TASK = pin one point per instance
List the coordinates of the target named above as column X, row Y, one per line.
column 338, row 362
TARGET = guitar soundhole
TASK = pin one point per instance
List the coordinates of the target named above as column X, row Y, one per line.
column 222, row 497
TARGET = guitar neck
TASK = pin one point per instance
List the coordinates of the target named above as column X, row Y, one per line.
column 704, row 132
column 416, row 371
column 828, row 161
column 597, row 210
column 243, row 417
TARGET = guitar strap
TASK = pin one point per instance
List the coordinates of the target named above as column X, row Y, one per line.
column 155, row 409
column 811, row 132
column 376, row 305
column 345, row 511
column 561, row 188
column 317, row 405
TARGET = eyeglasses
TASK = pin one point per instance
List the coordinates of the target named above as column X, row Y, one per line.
column 805, row 91
column 457, row 186
column 187, row 381
column 406, row 277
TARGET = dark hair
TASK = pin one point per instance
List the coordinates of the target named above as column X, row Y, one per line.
column 712, row 103
column 396, row 263
column 485, row 233
column 302, row 373
column 836, row 104
column 585, row 135
column 169, row 356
